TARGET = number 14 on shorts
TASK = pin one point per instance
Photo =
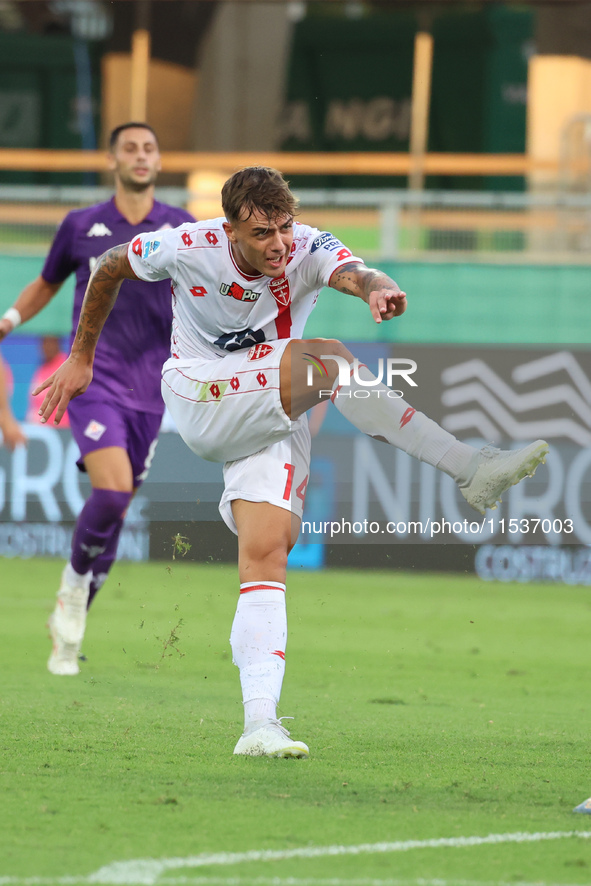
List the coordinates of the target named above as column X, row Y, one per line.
column 301, row 490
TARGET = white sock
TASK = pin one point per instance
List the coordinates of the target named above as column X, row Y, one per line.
column 74, row 579
column 258, row 640
column 394, row 421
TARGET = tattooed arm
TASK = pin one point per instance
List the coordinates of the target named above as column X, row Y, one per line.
column 380, row 292
column 75, row 374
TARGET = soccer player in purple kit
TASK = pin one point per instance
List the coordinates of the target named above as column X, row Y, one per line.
column 116, row 422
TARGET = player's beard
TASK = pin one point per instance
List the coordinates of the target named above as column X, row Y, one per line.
column 137, row 187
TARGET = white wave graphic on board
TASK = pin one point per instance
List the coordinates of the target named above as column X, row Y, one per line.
column 494, row 407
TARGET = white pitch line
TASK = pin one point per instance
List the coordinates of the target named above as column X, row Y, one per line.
column 146, row 871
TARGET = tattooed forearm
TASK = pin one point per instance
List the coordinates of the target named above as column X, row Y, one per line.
column 355, row 279
column 103, row 287
column 372, row 280
column 345, row 279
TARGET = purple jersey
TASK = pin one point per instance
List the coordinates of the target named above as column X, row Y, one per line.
column 135, row 341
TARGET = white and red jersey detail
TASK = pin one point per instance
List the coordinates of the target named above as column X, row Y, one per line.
column 216, row 307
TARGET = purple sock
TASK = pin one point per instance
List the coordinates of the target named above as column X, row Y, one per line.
column 99, row 520
column 103, row 563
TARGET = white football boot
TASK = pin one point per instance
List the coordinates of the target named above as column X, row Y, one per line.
column 270, row 740
column 67, row 623
column 493, row 471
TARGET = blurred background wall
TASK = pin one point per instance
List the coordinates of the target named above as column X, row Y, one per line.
column 493, row 259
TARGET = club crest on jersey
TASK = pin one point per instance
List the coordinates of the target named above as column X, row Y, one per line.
column 259, row 351
column 280, row 290
column 237, row 292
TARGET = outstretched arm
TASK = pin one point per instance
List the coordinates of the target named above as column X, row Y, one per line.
column 380, row 292
column 32, row 299
column 74, row 376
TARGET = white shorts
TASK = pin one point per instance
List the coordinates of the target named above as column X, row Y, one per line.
column 277, row 474
column 229, row 409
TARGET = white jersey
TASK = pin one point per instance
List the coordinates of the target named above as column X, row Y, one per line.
column 217, row 308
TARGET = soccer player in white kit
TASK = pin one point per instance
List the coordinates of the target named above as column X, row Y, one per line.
column 237, row 387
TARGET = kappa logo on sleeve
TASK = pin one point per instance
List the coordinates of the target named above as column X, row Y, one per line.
column 259, row 351
column 95, row 430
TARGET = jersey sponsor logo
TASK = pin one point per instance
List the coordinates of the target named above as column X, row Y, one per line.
column 237, row 292
column 186, row 238
column 136, row 246
column 259, row 351
column 327, row 241
column 99, row 230
column 212, row 238
column 198, row 291
column 344, row 253
column 95, row 430
column 236, row 341
column 280, row 290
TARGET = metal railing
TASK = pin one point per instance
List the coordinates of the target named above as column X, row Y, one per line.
column 376, row 223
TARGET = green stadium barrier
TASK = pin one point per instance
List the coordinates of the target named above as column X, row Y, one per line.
column 15, row 273
column 448, row 303
column 470, row 303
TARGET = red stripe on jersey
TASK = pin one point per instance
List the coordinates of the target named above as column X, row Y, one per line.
column 280, row 654
column 283, row 321
column 260, row 588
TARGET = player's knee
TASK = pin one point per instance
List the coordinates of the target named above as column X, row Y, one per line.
column 269, row 553
column 332, row 355
column 321, row 346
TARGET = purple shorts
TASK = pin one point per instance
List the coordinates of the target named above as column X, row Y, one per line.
column 96, row 424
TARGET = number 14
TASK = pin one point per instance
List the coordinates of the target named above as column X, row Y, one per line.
column 301, row 490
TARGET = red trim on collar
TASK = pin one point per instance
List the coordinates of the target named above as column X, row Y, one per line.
column 242, row 274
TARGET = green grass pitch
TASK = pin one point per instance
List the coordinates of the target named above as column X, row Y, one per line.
column 436, row 707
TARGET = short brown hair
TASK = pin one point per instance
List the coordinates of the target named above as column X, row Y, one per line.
column 119, row 129
column 257, row 188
